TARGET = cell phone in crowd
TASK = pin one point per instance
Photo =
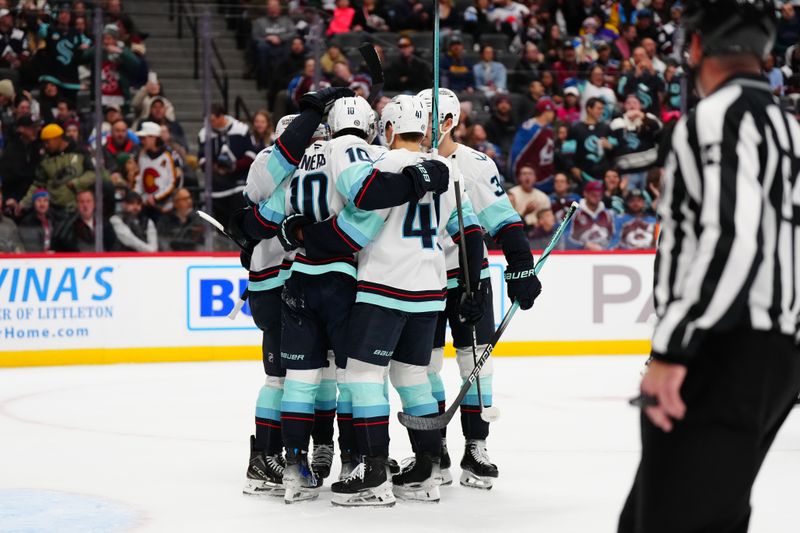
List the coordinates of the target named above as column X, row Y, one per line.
column 152, row 77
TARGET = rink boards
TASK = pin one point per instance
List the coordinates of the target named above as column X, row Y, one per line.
column 112, row 308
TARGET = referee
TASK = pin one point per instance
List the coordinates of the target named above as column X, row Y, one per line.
column 725, row 369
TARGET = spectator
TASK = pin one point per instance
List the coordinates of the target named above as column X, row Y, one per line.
column 303, row 83
column 77, row 233
column 407, row 73
column 532, row 32
column 117, row 146
column 342, row 19
column 570, row 111
column 527, row 199
column 119, row 65
column 508, row 16
column 144, row 97
column 476, row 19
column 10, row 242
column 13, row 42
column 644, row 25
column 624, row 45
column 158, row 175
column 644, row 81
column 261, row 130
column 135, row 231
column 773, row 74
column 37, row 226
column 585, row 50
column 72, row 131
column 7, row 96
column 533, row 145
column 61, row 55
column 231, row 155
column 158, row 114
column 501, row 127
column 589, row 144
column 788, row 28
column 370, row 17
column 673, row 99
column 48, row 101
column 596, row 89
column 593, row 225
column 671, row 35
column 636, row 228
column 64, row 171
column 408, row 15
column 112, row 113
column 332, row 56
column 567, row 68
column 613, row 193
column 181, row 229
column 546, row 226
column 457, row 72
column 477, row 139
column 649, row 46
column 291, row 66
column 534, row 93
column 527, row 68
column 133, row 41
column 19, row 161
column 449, row 17
column 490, row 75
column 636, row 134
column 343, row 77
column 561, row 197
column 610, row 66
column 270, row 34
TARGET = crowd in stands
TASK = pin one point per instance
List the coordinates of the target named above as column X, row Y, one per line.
column 572, row 100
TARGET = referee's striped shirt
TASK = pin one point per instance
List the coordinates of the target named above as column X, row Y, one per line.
column 730, row 209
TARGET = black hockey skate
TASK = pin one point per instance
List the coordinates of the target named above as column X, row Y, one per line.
column 368, row 485
column 477, row 470
column 264, row 473
column 419, row 479
column 322, row 460
column 349, row 463
column 444, row 465
column 299, row 480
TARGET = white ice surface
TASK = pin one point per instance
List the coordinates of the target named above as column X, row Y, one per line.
column 167, row 444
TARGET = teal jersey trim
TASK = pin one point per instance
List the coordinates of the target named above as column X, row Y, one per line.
column 269, row 284
column 452, row 283
column 361, row 226
column 406, row 307
column 271, row 414
column 279, row 167
column 469, row 218
column 274, row 208
column 498, row 215
column 318, row 270
column 352, row 178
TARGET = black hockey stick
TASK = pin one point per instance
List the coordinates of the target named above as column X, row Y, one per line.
column 375, row 68
column 441, row 421
column 218, row 226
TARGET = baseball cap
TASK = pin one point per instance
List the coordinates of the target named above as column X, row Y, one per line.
column 634, row 193
column 601, row 44
column 25, row 121
column 7, row 89
column 455, row 39
column 572, row 90
column 40, row 192
column 644, row 13
column 111, row 107
column 51, row 131
column 594, row 186
column 544, row 104
column 4, row 12
column 149, row 129
column 132, row 197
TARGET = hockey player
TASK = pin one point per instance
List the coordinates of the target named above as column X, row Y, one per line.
column 319, row 294
column 401, row 290
column 495, row 213
column 268, row 265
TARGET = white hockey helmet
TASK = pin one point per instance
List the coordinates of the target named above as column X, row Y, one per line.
column 350, row 113
column 373, row 126
column 323, row 131
column 448, row 105
column 406, row 114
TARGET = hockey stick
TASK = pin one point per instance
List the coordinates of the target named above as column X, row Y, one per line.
column 375, row 68
column 441, row 421
column 218, row 226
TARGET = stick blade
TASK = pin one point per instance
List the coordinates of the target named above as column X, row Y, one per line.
column 211, row 220
column 423, row 423
column 373, row 62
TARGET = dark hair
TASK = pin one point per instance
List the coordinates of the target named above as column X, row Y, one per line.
column 351, row 131
column 411, row 137
column 63, row 100
column 590, row 103
column 218, row 110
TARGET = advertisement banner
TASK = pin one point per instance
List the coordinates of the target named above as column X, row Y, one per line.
column 172, row 307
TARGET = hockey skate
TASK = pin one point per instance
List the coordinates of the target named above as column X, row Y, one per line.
column 444, row 465
column 299, row 480
column 349, row 463
column 368, row 485
column 477, row 470
column 264, row 473
column 419, row 479
column 322, row 460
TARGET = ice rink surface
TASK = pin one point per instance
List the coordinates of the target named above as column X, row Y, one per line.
column 163, row 447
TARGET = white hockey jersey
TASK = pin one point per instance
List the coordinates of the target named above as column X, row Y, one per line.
column 402, row 263
column 327, row 178
column 480, row 180
column 158, row 177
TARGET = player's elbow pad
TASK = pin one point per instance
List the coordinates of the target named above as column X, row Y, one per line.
column 382, row 190
column 516, row 247
column 298, row 134
column 473, row 240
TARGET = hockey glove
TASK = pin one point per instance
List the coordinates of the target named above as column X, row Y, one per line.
column 471, row 307
column 323, row 100
column 523, row 285
column 428, row 176
column 288, row 233
column 236, row 230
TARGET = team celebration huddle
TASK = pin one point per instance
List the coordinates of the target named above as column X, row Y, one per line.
column 359, row 256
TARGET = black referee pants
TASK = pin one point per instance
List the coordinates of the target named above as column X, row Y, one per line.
column 698, row 478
